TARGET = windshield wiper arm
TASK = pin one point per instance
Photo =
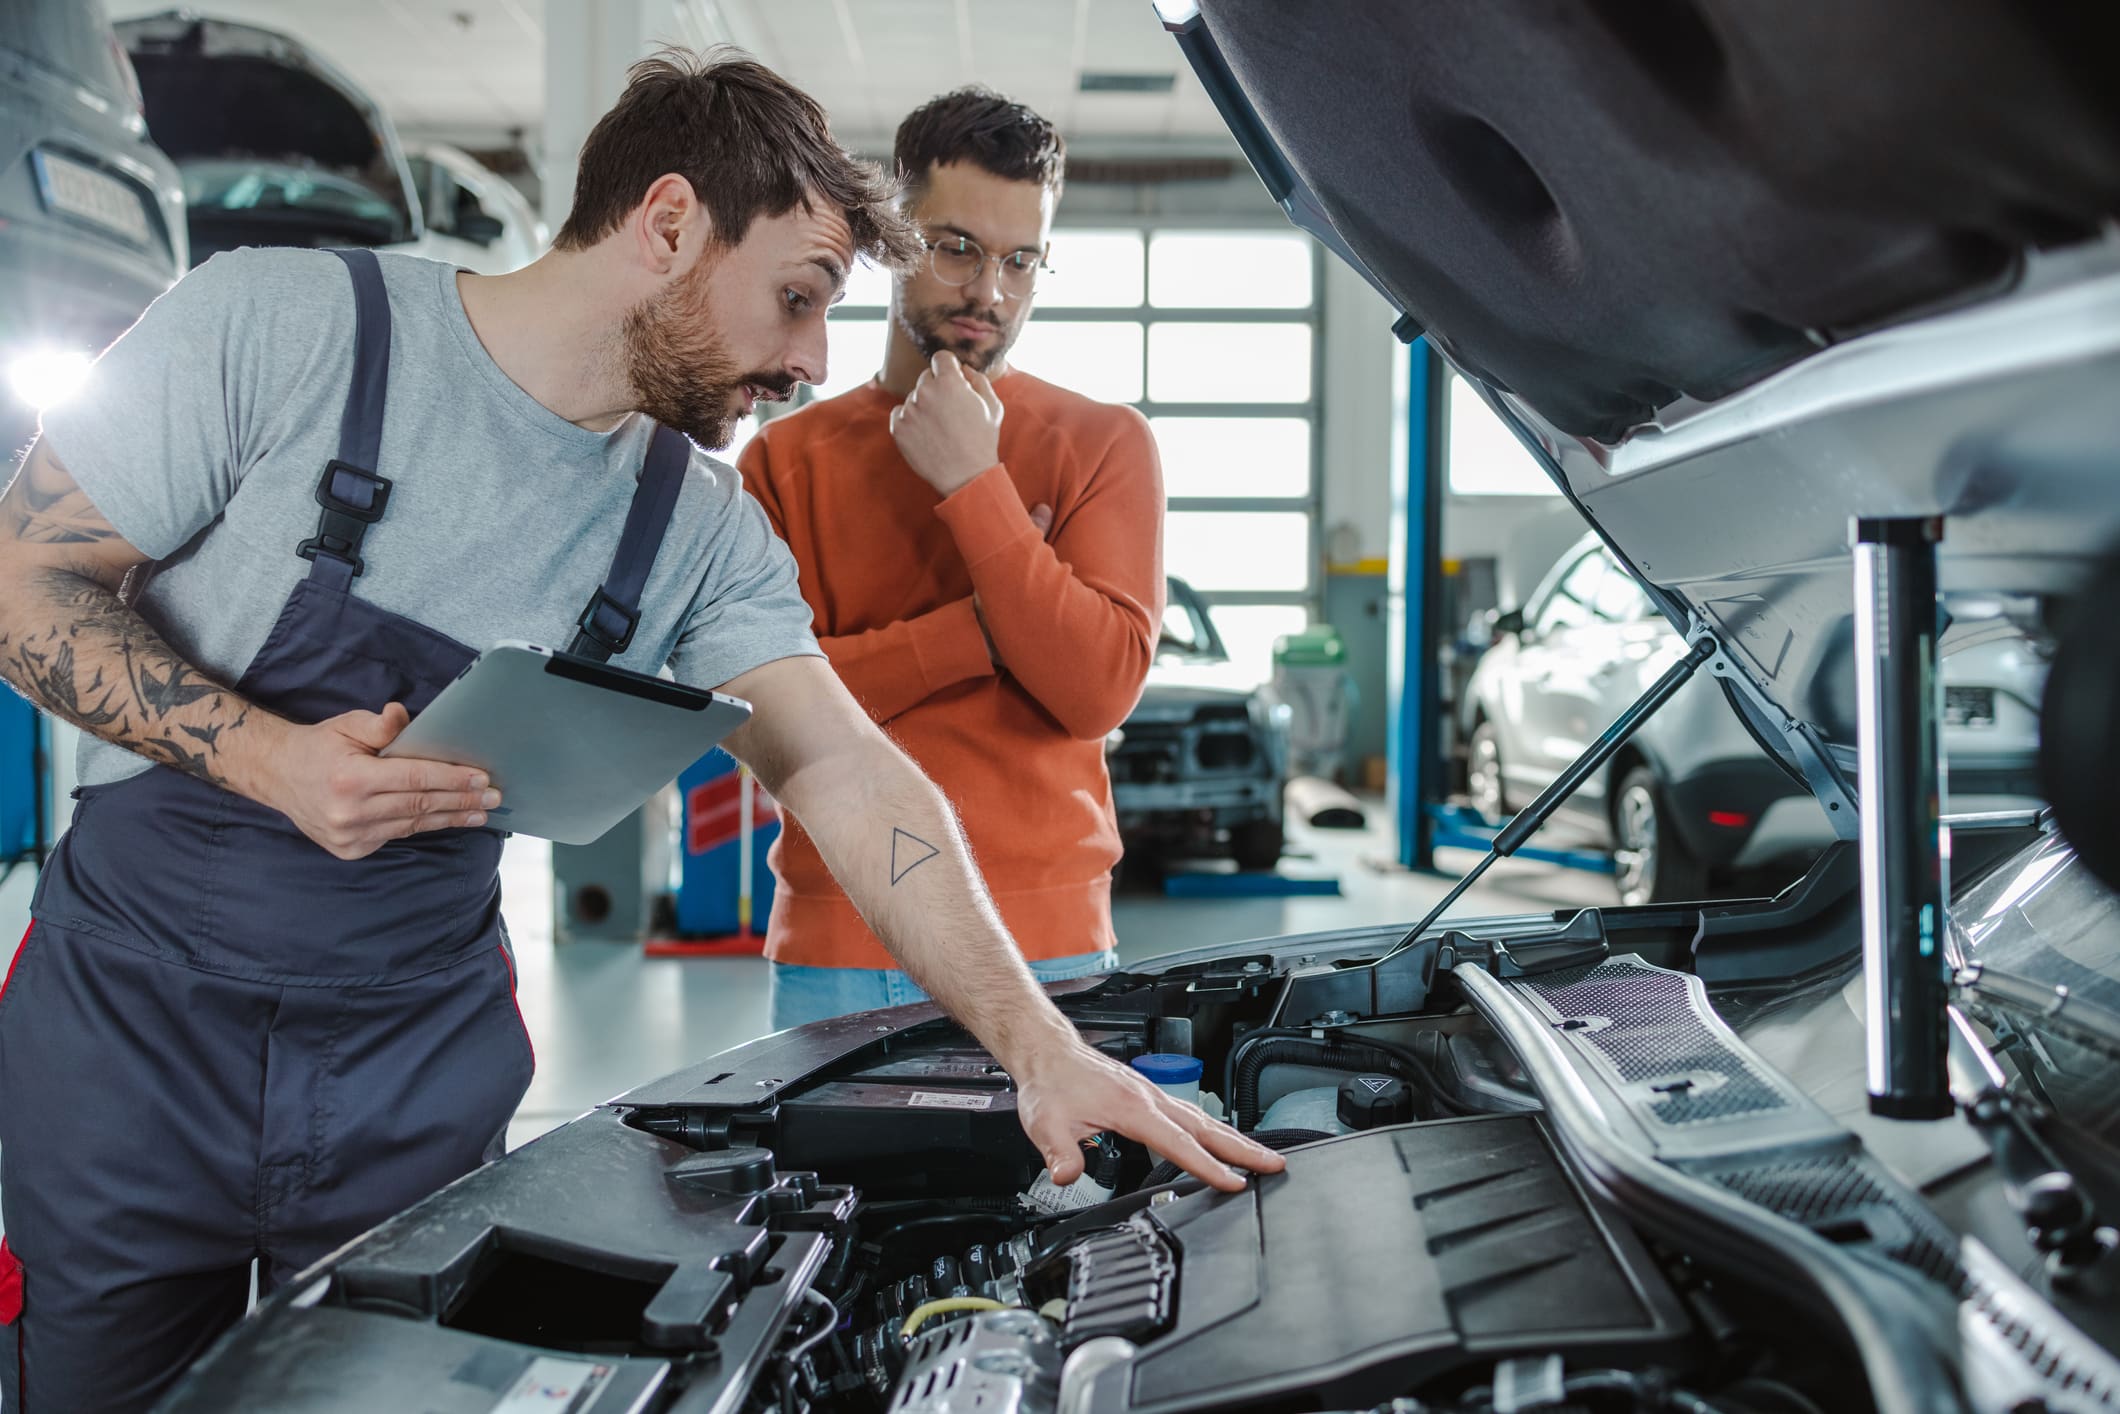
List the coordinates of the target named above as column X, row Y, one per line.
column 1531, row 817
column 2056, row 1211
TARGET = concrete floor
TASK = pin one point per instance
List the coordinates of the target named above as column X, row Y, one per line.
column 604, row 1018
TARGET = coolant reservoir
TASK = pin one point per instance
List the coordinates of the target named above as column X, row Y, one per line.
column 1317, row 1109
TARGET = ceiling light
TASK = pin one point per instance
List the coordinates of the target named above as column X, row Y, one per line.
column 47, row 377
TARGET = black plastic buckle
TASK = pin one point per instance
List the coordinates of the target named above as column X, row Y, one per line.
column 593, row 629
column 343, row 524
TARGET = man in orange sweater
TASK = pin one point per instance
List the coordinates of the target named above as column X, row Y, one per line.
column 984, row 555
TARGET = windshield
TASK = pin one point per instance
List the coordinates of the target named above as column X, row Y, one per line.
column 332, row 207
column 2038, row 924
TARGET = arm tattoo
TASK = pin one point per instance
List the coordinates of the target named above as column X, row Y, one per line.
column 49, row 513
column 908, row 852
column 140, row 694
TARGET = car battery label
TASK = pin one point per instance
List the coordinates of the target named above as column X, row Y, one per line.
column 552, row 1386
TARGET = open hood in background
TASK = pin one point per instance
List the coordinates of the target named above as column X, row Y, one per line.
column 218, row 92
column 1735, row 274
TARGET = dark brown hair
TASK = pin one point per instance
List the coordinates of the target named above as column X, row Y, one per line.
column 979, row 126
column 750, row 143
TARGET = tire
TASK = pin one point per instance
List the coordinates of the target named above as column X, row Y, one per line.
column 1256, row 844
column 1484, row 785
column 1650, row 862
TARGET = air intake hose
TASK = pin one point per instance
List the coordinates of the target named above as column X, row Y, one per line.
column 1328, row 1055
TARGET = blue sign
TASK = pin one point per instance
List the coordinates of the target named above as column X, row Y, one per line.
column 20, row 781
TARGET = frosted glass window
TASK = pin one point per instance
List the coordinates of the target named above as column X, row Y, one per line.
column 853, row 354
column 1483, row 455
column 1092, row 269
column 868, row 287
column 1258, row 551
column 1229, row 363
column 1101, row 361
column 1234, row 456
column 1229, row 270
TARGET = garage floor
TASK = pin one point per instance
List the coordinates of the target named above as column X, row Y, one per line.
column 604, row 1018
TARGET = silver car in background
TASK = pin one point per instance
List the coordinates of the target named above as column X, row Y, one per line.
column 1693, row 800
column 91, row 213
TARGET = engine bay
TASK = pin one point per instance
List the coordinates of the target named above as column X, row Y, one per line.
column 1525, row 1170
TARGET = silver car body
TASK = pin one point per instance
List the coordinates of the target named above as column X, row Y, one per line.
column 1593, row 642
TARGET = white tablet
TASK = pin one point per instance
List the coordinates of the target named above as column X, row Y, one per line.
column 573, row 746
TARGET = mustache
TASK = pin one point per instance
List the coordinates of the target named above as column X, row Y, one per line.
column 780, row 385
column 972, row 313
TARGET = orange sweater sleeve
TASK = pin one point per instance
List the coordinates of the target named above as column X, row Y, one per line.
column 1074, row 619
column 900, row 665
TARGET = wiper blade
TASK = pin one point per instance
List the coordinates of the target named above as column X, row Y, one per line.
column 2044, row 1003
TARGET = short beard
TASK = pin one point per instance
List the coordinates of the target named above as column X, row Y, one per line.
column 679, row 367
column 925, row 329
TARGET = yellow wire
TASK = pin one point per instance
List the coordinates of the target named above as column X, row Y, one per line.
column 923, row 1312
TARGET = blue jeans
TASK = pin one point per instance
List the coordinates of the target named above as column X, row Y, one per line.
column 804, row 994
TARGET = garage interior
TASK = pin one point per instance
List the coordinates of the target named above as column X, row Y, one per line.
column 1284, row 442
column 1416, row 665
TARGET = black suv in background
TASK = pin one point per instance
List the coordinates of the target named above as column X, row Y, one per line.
column 91, row 212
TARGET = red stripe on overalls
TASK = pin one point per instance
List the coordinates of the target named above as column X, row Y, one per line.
column 11, row 1279
column 509, row 963
column 20, row 948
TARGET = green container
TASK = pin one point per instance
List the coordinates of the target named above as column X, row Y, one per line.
column 1319, row 646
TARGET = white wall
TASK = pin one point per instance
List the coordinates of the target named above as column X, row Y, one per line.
column 1358, row 469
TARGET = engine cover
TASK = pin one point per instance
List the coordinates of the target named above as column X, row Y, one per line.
column 1384, row 1259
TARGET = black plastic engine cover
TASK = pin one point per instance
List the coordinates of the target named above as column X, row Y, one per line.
column 1385, row 1259
column 595, row 1255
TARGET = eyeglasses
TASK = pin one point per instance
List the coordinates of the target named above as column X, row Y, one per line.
column 957, row 260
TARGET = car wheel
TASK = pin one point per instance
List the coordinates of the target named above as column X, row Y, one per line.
column 1483, row 774
column 1650, row 863
column 1257, row 844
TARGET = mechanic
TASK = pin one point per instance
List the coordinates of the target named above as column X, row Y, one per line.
column 267, row 997
column 984, row 554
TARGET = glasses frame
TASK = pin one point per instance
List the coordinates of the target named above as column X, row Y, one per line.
column 934, row 243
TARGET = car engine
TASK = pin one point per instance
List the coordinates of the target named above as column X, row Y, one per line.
column 846, row 1218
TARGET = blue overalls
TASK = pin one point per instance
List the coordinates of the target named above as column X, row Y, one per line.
column 221, row 1043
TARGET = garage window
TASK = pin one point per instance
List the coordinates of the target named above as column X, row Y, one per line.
column 1214, row 335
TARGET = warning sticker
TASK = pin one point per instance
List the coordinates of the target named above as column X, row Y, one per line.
column 1374, row 1084
column 950, row 1100
column 552, row 1386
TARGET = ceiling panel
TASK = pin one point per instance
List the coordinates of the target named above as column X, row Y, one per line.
column 479, row 64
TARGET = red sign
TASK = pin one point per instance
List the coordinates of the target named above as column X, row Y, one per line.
column 713, row 813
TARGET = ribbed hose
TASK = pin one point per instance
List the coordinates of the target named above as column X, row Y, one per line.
column 1328, row 1055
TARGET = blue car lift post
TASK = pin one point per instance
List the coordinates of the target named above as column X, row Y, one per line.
column 1420, row 776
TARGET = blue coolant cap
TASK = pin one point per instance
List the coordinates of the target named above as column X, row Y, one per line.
column 1169, row 1070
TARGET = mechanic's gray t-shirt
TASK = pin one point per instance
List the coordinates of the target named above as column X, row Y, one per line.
column 203, row 432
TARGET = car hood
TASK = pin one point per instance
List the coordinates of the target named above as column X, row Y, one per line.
column 1169, row 698
column 215, row 89
column 1735, row 274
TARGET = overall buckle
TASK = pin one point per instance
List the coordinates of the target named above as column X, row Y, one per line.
column 597, row 620
column 353, row 499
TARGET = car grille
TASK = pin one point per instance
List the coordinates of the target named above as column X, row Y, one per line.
column 1969, row 706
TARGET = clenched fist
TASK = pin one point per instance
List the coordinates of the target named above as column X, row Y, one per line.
column 948, row 428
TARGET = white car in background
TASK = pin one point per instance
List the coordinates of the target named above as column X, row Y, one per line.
column 279, row 147
column 1693, row 799
column 476, row 218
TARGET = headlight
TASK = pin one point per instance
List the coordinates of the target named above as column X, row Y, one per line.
column 46, row 377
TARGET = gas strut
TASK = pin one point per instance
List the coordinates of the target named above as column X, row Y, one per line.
column 1531, row 817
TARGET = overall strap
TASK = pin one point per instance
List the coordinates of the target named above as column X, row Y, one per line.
column 352, row 495
column 607, row 625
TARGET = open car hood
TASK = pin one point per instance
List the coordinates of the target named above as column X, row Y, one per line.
column 217, row 92
column 1735, row 274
